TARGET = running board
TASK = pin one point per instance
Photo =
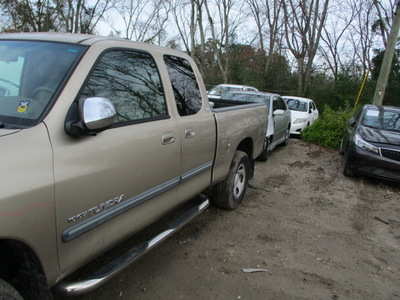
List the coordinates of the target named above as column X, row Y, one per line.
column 114, row 267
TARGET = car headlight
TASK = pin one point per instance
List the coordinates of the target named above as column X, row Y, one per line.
column 364, row 145
column 300, row 120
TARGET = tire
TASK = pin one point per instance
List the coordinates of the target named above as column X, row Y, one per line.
column 264, row 154
column 8, row 292
column 347, row 171
column 341, row 148
column 287, row 135
column 229, row 193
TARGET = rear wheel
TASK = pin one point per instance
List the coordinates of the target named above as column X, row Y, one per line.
column 230, row 192
column 8, row 292
column 264, row 154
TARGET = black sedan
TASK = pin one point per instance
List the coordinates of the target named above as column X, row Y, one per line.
column 371, row 142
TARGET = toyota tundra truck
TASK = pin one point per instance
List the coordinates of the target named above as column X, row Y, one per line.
column 100, row 138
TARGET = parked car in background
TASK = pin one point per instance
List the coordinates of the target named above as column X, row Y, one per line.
column 304, row 113
column 371, row 142
column 279, row 119
column 217, row 91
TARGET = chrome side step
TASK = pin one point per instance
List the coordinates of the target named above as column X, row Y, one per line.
column 114, row 267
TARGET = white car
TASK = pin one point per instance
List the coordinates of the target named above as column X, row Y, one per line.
column 304, row 113
column 217, row 91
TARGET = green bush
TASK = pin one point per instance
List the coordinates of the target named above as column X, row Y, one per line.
column 328, row 129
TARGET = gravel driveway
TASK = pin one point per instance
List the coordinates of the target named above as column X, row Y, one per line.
column 308, row 231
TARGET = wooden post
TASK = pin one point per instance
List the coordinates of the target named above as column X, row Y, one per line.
column 387, row 58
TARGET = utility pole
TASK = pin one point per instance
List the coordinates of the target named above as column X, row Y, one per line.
column 387, row 58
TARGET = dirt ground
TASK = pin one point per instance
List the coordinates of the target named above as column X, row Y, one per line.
column 310, row 232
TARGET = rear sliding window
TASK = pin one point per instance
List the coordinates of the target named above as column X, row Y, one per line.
column 184, row 83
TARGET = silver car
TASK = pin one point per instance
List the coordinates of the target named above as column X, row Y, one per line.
column 279, row 117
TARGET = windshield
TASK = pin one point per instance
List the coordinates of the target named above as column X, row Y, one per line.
column 382, row 119
column 247, row 97
column 30, row 74
column 295, row 104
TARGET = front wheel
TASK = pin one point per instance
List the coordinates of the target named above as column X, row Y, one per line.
column 230, row 192
column 347, row 171
column 8, row 292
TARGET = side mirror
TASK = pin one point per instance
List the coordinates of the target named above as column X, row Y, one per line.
column 352, row 122
column 95, row 115
column 279, row 112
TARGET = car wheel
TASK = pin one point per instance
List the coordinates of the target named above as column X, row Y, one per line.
column 230, row 192
column 287, row 135
column 341, row 149
column 347, row 171
column 8, row 292
column 264, row 154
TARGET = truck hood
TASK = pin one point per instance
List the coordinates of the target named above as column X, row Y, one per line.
column 380, row 136
column 4, row 132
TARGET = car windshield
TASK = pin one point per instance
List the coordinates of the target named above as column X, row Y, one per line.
column 247, row 97
column 296, row 104
column 30, row 74
column 221, row 89
column 382, row 119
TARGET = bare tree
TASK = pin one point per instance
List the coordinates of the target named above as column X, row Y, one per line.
column 383, row 23
column 334, row 46
column 304, row 22
column 223, row 21
column 28, row 16
column 266, row 14
column 143, row 20
column 78, row 16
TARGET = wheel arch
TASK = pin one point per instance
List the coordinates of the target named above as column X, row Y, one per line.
column 247, row 146
column 20, row 266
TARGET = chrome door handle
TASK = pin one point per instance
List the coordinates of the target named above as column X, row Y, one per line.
column 168, row 138
column 189, row 132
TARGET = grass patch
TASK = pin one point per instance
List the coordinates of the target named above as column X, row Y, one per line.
column 327, row 131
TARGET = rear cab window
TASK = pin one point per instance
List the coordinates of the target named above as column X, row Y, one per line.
column 184, row 84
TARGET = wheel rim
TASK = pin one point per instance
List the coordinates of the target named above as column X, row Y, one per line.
column 240, row 181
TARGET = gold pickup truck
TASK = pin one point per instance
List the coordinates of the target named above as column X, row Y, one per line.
column 101, row 137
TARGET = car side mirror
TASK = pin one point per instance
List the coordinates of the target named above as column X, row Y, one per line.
column 352, row 122
column 96, row 114
column 279, row 112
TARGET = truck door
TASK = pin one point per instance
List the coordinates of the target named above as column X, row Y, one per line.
column 197, row 127
column 280, row 124
column 113, row 184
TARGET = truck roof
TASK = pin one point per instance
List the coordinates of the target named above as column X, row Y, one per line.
column 53, row 36
column 77, row 38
